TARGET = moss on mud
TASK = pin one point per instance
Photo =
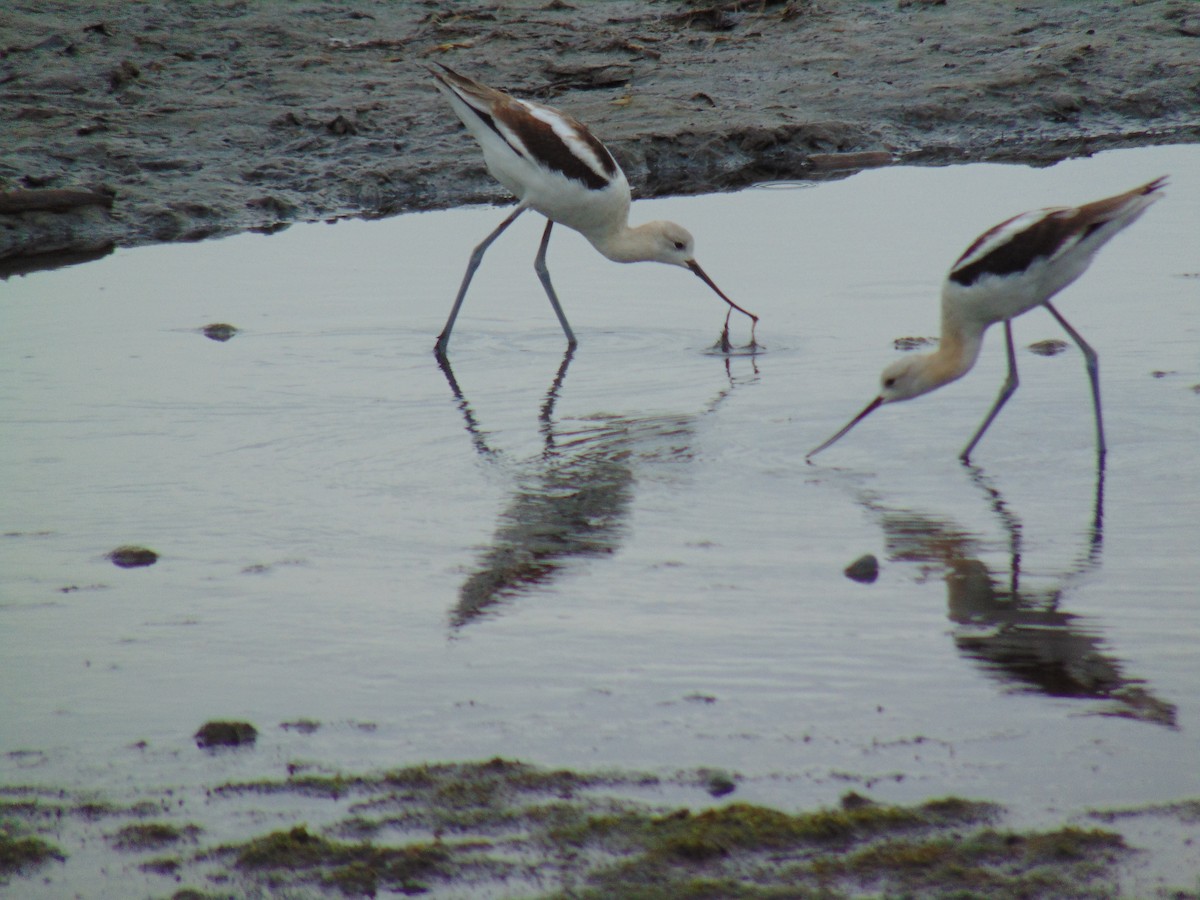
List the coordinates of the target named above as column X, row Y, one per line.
column 22, row 854
column 152, row 835
column 504, row 828
column 284, row 857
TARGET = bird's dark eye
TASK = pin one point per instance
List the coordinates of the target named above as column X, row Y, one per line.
column 890, row 382
column 680, row 245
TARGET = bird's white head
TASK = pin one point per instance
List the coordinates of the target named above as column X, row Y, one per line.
column 660, row 241
column 903, row 379
column 909, row 377
column 667, row 242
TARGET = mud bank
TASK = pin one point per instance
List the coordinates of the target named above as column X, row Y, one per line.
column 191, row 120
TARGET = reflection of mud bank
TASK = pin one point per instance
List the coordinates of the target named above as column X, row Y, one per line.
column 213, row 117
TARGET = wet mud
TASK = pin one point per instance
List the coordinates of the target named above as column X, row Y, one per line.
column 131, row 123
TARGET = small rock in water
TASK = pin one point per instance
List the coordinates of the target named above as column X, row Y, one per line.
column 225, row 734
column 852, row 800
column 219, row 331
column 1051, row 347
column 131, row 557
column 718, row 783
column 865, row 569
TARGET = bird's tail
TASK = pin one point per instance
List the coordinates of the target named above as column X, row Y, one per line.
column 1124, row 208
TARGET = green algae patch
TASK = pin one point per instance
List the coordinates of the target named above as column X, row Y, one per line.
column 1070, row 844
column 987, row 863
column 20, row 855
column 485, row 783
column 354, row 868
column 726, row 830
column 558, row 827
column 502, row 827
column 152, row 835
column 1187, row 812
column 482, row 797
column 39, row 806
column 942, row 848
column 744, row 827
column 219, row 733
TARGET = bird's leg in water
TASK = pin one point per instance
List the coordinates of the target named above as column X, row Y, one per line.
column 724, row 343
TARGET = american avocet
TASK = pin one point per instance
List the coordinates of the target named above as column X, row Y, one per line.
column 1009, row 270
column 555, row 166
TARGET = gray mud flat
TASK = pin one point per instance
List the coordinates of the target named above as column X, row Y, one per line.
column 214, row 117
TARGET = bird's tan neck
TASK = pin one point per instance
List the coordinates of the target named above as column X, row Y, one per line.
column 623, row 244
column 956, row 354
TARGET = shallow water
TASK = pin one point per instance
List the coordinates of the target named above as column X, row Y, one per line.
column 619, row 558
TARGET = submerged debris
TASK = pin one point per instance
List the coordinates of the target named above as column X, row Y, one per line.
column 913, row 343
column 219, row 331
column 225, row 734
column 132, row 557
column 1049, row 347
column 717, row 782
column 865, row 569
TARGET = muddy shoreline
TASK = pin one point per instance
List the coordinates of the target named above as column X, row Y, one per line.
column 222, row 116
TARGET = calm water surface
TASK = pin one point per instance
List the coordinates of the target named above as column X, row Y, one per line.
column 618, row 558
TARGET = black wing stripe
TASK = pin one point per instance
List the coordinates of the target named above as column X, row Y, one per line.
column 1041, row 240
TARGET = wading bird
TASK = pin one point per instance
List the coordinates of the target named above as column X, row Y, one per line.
column 1016, row 266
column 555, row 166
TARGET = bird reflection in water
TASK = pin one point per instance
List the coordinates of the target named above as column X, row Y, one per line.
column 573, row 499
column 1022, row 636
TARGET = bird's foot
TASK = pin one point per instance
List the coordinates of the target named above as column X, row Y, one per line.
column 723, row 343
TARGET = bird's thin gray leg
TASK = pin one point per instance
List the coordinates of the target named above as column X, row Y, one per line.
column 543, row 273
column 473, row 264
column 1092, row 361
column 1010, row 385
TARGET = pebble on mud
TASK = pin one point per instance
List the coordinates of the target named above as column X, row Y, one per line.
column 132, row 557
column 340, row 125
column 225, row 734
column 1050, row 347
column 865, row 569
column 51, row 200
column 219, row 331
column 122, row 74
